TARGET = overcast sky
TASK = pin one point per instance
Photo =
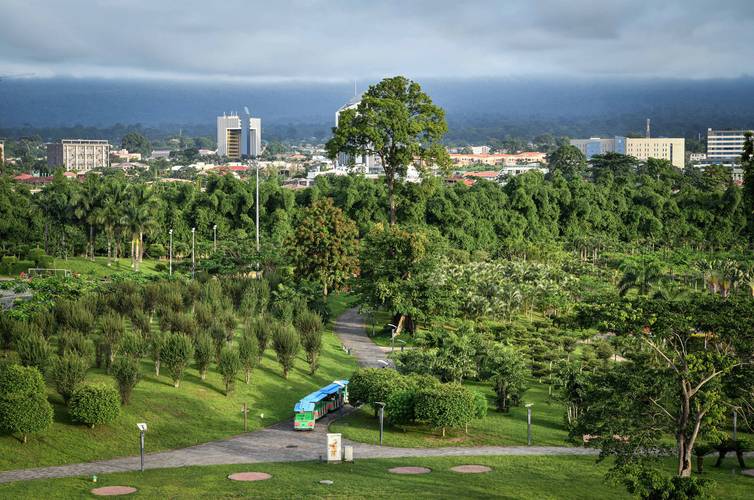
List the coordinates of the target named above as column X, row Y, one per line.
column 345, row 40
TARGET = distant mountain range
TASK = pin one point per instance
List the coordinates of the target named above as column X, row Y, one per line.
column 476, row 109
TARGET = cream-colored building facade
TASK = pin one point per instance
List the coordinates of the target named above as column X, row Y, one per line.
column 661, row 148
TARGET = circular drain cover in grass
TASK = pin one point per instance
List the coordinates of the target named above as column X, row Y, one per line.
column 471, row 469
column 111, row 491
column 748, row 472
column 249, row 476
column 410, row 470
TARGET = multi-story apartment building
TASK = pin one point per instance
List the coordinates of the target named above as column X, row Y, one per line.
column 78, row 155
column 229, row 132
column 643, row 148
column 253, row 146
column 725, row 146
column 508, row 159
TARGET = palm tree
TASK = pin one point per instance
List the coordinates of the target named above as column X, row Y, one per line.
column 641, row 275
column 110, row 214
column 86, row 202
column 139, row 217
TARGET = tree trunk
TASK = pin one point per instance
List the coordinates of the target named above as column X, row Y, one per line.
column 700, row 464
column 157, row 368
column 177, row 383
column 247, row 376
column 391, row 198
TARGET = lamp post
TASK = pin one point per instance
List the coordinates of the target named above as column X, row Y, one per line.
column 528, row 423
column 214, row 248
column 170, row 252
column 381, row 413
column 256, row 163
column 142, row 429
column 193, row 251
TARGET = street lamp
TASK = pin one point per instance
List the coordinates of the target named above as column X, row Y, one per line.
column 170, row 252
column 142, row 429
column 528, row 423
column 214, row 228
column 193, row 251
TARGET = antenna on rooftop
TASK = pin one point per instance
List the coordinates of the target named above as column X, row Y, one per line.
column 647, row 132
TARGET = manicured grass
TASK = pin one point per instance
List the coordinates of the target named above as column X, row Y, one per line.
column 196, row 412
column 523, row 477
column 100, row 268
column 496, row 429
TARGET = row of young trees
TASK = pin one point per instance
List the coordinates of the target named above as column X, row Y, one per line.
column 177, row 324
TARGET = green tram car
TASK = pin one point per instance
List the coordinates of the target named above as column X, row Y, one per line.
column 318, row 404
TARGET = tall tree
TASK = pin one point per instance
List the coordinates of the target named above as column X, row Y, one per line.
column 135, row 142
column 86, row 202
column 323, row 247
column 567, row 160
column 397, row 122
column 139, row 215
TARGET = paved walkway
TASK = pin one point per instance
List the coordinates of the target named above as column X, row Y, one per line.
column 280, row 443
column 352, row 333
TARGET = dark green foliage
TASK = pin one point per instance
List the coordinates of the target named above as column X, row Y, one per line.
column 451, row 406
column 400, row 406
column 286, row 342
column 67, row 372
column 133, row 346
column 419, row 361
column 229, row 365
column 94, row 405
column 260, row 327
column 204, row 350
column 508, row 371
column 111, row 327
column 309, row 326
column 176, row 355
column 203, row 315
column 23, row 402
column 369, row 385
column 480, row 405
column 73, row 342
column 141, row 322
column 650, row 484
column 33, row 350
column 248, row 352
column 127, row 373
column 74, row 315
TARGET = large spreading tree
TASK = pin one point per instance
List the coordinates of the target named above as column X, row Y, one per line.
column 397, row 122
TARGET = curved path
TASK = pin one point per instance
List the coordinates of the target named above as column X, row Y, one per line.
column 280, row 443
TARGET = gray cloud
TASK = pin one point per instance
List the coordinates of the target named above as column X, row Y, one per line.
column 346, row 39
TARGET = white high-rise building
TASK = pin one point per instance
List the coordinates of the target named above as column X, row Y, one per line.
column 229, row 136
column 366, row 164
column 78, row 155
column 253, row 145
column 725, row 146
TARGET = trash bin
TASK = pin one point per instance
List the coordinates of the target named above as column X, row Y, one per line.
column 348, row 453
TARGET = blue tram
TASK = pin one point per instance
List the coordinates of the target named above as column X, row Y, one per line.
column 318, row 404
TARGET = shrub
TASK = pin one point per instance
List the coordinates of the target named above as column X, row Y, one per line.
column 73, row 342
column 309, row 326
column 400, row 406
column 111, row 328
column 229, row 365
column 156, row 344
column 141, row 322
column 419, row 361
column 127, row 373
column 7, row 263
column 44, row 321
column 156, row 251
column 176, row 355
column 75, row 316
column 260, row 328
column 286, row 342
column 33, row 350
column 368, row 385
column 248, row 352
column 132, row 346
column 23, row 402
column 68, row 371
column 203, row 315
column 451, row 405
column 94, row 404
column 217, row 332
column 203, row 352
column 480, row 405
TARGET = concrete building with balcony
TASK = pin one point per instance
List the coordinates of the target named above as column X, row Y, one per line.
column 725, row 146
column 78, row 155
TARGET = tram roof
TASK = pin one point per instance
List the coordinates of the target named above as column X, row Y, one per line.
column 307, row 403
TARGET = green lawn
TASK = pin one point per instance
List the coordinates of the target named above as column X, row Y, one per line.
column 99, row 266
column 498, row 429
column 532, row 477
column 196, row 412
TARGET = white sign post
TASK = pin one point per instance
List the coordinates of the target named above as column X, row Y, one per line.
column 334, row 453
